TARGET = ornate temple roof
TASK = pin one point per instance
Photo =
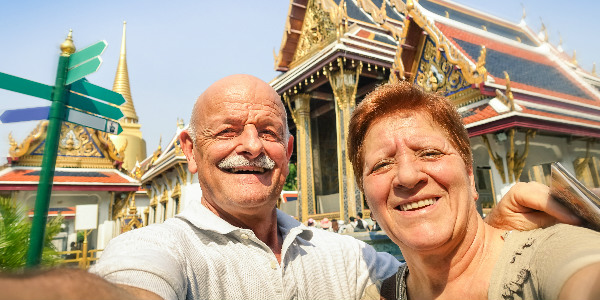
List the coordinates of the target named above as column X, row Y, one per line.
column 68, row 179
column 162, row 160
column 79, row 147
column 547, row 85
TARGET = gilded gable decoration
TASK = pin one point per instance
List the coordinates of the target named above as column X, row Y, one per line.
column 318, row 29
column 78, row 147
column 509, row 98
column 400, row 6
column 435, row 73
column 33, row 138
column 378, row 14
column 472, row 73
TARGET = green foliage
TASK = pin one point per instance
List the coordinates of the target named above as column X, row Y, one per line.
column 291, row 182
column 15, row 228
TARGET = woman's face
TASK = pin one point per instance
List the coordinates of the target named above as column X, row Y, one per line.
column 417, row 185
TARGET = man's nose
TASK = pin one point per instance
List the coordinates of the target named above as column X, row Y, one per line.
column 250, row 143
column 408, row 174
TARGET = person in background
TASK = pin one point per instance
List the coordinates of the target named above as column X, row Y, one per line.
column 326, row 224
column 375, row 226
column 335, row 226
column 359, row 219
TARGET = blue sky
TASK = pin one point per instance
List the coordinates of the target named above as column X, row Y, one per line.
column 175, row 49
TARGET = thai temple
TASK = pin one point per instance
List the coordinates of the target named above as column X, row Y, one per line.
column 92, row 168
column 525, row 102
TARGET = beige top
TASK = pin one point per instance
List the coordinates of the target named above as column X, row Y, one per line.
column 536, row 264
column 532, row 265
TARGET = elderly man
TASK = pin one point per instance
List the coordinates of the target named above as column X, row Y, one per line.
column 233, row 243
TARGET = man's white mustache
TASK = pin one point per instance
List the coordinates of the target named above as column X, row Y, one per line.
column 236, row 161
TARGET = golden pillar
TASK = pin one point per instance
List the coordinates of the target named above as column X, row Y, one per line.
column 306, row 186
column 344, row 83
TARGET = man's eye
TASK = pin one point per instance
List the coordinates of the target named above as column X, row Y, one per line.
column 227, row 133
column 269, row 135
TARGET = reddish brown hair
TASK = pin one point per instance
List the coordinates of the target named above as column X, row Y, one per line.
column 404, row 97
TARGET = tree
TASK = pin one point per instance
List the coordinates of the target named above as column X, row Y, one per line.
column 15, row 228
column 291, row 181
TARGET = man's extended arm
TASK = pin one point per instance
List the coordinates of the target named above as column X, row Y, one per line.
column 66, row 284
column 529, row 206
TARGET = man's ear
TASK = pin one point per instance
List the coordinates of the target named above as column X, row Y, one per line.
column 473, row 187
column 187, row 145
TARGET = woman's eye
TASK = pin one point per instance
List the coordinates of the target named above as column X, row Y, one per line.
column 431, row 153
column 381, row 165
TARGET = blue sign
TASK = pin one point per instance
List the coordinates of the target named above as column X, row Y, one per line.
column 25, row 114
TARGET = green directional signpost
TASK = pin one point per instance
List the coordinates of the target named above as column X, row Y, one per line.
column 75, row 100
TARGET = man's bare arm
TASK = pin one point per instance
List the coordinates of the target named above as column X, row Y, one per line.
column 529, row 206
column 66, row 284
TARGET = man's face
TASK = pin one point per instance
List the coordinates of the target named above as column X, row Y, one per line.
column 241, row 153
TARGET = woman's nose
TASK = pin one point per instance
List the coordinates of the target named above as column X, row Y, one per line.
column 408, row 174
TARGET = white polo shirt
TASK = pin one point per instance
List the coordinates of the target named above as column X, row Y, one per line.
column 197, row 255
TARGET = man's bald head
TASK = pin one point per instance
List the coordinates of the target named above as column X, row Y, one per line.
column 232, row 86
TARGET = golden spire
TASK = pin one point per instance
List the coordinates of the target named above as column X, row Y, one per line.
column 594, row 69
column 121, row 84
column 68, row 47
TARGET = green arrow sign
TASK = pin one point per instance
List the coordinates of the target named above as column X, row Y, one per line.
column 86, row 54
column 93, row 106
column 83, row 70
column 84, row 87
column 95, row 122
column 24, row 86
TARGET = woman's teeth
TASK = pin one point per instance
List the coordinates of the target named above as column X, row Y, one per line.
column 417, row 204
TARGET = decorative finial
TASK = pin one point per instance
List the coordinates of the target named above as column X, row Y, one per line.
column 594, row 70
column 574, row 60
column 543, row 34
column 560, row 42
column 68, row 47
column 524, row 13
column 509, row 94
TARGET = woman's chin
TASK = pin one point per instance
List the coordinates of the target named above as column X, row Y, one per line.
column 429, row 240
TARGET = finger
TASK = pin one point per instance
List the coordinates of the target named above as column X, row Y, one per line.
column 561, row 212
column 537, row 196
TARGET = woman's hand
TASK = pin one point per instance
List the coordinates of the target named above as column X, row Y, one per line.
column 528, row 206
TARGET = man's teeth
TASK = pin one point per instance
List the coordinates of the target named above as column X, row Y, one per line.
column 245, row 170
column 417, row 204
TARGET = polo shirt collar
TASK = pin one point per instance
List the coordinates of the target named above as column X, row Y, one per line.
column 203, row 218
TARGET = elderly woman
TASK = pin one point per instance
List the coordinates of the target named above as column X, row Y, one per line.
column 413, row 161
